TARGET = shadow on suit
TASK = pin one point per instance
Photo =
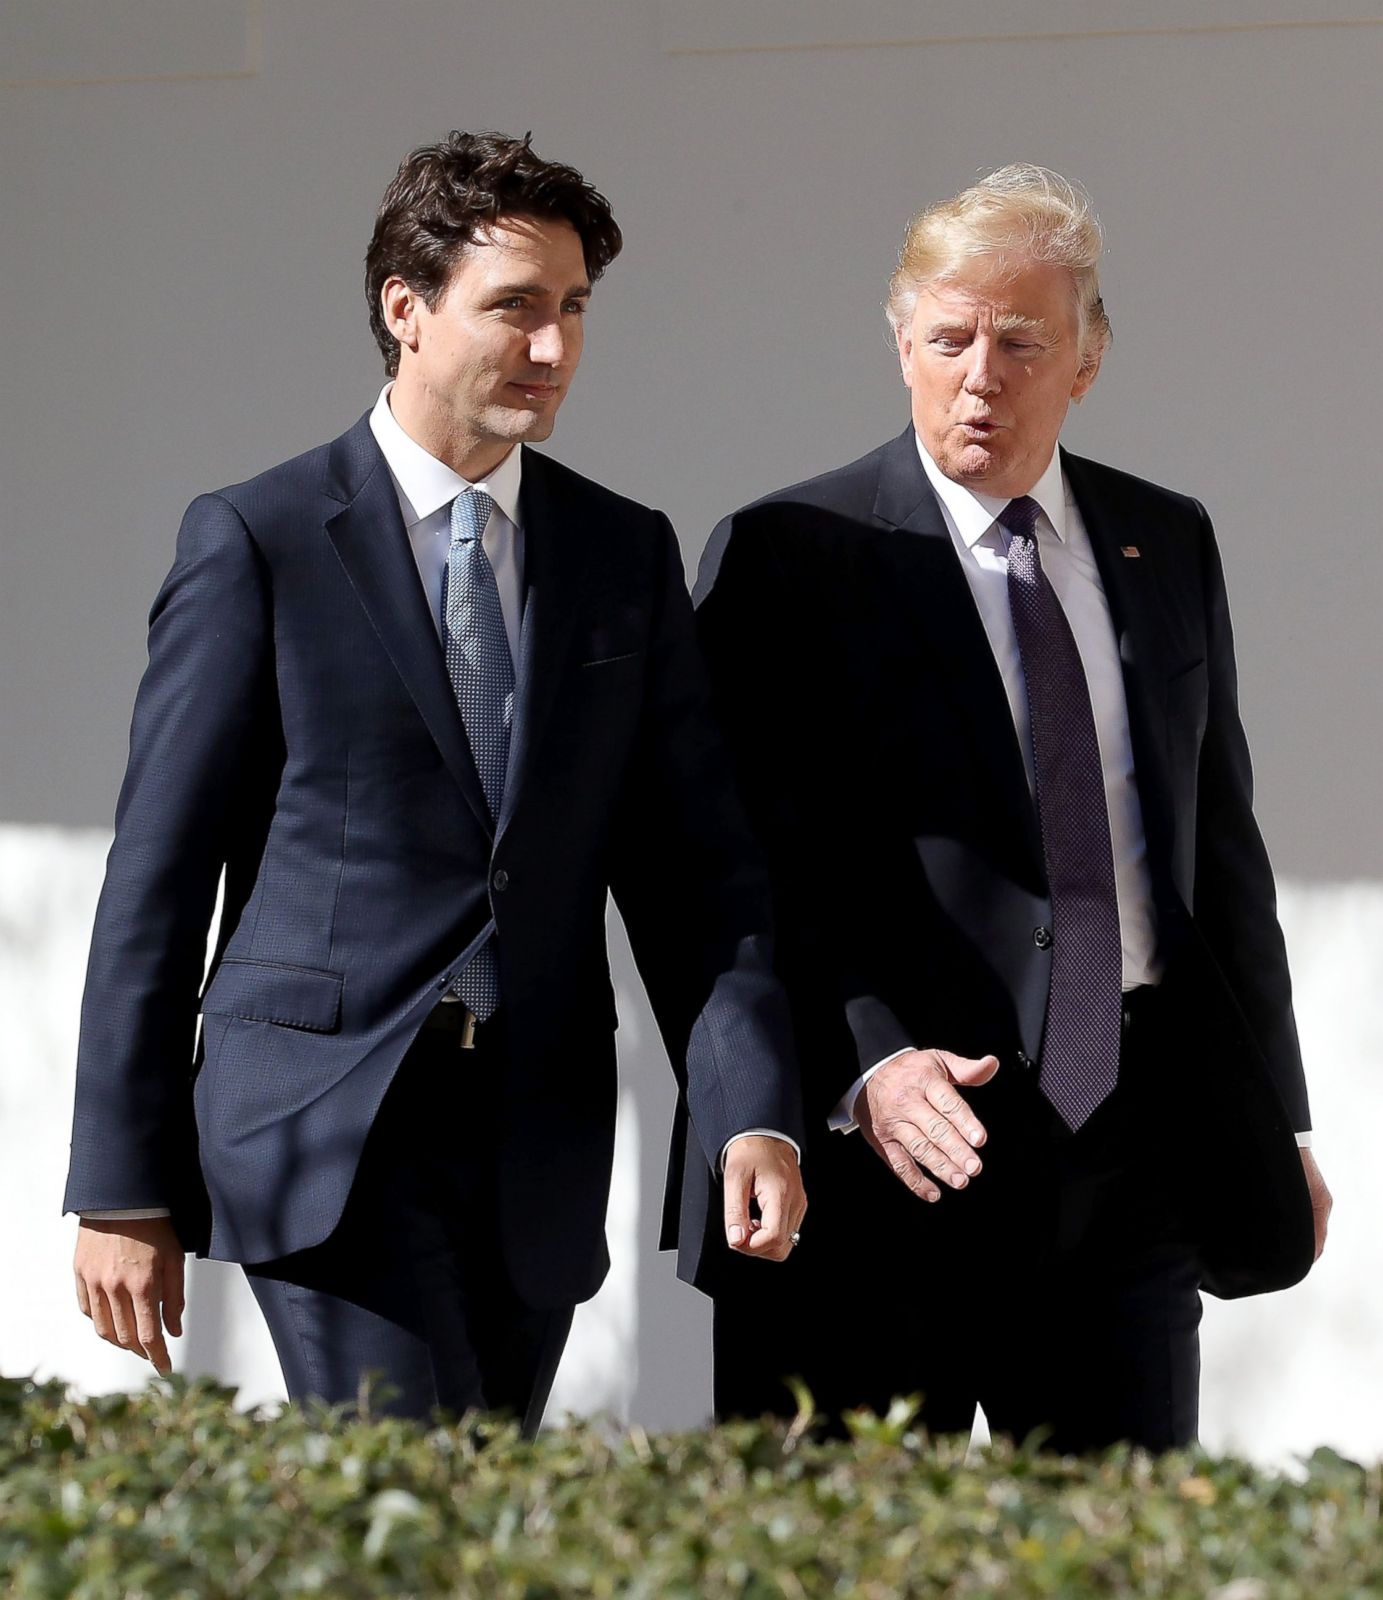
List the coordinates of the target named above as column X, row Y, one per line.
column 877, row 756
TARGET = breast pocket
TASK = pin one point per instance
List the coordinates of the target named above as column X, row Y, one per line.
column 612, row 674
column 627, row 659
column 1188, row 693
column 1188, row 705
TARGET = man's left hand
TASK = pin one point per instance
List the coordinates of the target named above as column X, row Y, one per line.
column 1320, row 1199
column 766, row 1170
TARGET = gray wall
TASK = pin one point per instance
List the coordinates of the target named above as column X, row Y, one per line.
column 182, row 306
column 1281, row 1374
column 182, row 301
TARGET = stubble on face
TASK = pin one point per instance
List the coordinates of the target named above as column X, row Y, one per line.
column 495, row 357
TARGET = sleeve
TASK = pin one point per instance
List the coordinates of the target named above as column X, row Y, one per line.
column 1236, row 900
column 203, row 714
column 842, row 1118
column 766, row 1133
column 691, row 888
column 774, row 700
column 135, row 1214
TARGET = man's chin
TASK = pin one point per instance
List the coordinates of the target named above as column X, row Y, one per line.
column 974, row 464
column 522, row 425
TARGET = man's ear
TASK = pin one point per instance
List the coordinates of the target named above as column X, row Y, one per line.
column 904, row 342
column 1085, row 378
column 400, row 307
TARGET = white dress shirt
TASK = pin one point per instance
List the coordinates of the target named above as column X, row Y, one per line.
column 1069, row 563
column 426, row 488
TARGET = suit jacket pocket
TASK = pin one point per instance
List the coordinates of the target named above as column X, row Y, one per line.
column 1187, row 700
column 268, row 991
column 627, row 659
column 1192, row 672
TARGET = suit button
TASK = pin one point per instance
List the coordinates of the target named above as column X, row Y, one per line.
column 1026, row 1061
column 1042, row 938
column 500, row 881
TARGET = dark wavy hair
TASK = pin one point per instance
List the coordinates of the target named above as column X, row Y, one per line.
column 445, row 194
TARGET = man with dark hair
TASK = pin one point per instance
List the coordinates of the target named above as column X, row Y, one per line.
column 424, row 696
column 443, row 195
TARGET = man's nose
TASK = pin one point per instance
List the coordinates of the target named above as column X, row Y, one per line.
column 981, row 376
column 548, row 346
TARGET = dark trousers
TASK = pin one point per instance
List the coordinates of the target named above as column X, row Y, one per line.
column 1059, row 1291
column 411, row 1285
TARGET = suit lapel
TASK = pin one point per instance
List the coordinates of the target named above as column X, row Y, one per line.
column 371, row 543
column 940, row 610
column 557, row 555
column 1133, row 587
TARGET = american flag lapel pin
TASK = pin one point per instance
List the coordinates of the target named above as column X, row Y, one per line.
column 1131, row 551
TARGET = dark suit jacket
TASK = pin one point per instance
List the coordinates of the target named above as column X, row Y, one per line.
column 877, row 754
column 297, row 728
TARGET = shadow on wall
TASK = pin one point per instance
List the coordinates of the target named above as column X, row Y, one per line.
column 1280, row 1376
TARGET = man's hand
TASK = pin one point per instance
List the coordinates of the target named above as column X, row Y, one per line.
column 912, row 1114
column 1320, row 1199
column 766, row 1170
column 130, row 1283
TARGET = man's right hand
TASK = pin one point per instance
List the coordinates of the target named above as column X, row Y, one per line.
column 130, row 1283
column 913, row 1115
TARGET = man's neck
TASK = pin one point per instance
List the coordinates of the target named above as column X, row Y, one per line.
column 469, row 456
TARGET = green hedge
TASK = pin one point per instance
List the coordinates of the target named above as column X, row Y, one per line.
column 175, row 1494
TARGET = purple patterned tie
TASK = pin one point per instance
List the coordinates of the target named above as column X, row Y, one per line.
column 1080, row 1041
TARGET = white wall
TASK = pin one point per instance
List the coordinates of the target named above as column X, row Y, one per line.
column 182, row 307
column 182, row 304
column 1282, row 1373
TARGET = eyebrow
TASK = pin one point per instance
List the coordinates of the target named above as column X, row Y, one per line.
column 1011, row 322
column 579, row 291
column 1005, row 322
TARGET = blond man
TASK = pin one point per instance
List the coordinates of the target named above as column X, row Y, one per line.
column 981, row 695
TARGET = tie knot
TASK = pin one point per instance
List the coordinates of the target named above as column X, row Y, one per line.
column 470, row 511
column 1019, row 518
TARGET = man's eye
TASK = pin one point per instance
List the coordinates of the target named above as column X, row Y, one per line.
column 576, row 307
column 945, row 342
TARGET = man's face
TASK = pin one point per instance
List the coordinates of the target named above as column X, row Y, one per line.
column 489, row 367
column 992, row 359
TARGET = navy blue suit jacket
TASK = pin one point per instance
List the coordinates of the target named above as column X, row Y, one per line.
column 296, row 728
column 876, row 752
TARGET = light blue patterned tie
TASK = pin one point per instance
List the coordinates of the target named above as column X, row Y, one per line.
column 482, row 674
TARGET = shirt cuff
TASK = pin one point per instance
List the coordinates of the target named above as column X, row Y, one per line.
column 138, row 1214
column 763, row 1133
column 1304, row 1140
column 842, row 1119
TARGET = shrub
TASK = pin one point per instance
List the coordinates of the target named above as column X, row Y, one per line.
column 173, row 1493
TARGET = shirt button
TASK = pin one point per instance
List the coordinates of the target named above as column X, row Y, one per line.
column 500, row 880
column 1042, row 938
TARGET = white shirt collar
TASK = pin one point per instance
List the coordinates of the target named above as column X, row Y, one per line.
column 974, row 514
column 426, row 484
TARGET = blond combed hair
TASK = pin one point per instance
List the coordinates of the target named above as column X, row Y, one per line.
column 1019, row 213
